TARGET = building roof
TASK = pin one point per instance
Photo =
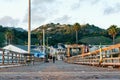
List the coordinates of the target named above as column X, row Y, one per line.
column 60, row 46
column 24, row 49
column 18, row 48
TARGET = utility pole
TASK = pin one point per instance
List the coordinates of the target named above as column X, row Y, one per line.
column 29, row 26
column 44, row 50
column 43, row 41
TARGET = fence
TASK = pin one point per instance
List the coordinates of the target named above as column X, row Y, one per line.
column 99, row 57
column 10, row 57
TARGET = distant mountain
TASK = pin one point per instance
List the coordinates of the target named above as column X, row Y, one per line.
column 19, row 35
column 18, row 29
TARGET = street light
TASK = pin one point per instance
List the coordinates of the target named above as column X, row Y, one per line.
column 44, row 41
column 29, row 26
column 48, row 40
column 47, row 50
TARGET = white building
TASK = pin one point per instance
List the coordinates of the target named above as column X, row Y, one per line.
column 24, row 49
column 58, row 50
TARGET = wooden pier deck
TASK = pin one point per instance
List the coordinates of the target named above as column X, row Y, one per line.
column 88, row 68
column 59, row 71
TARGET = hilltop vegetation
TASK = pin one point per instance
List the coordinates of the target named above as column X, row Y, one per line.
column 60, row 33
column 87, row 34
column 15, row 36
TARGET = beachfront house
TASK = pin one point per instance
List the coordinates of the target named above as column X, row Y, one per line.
column 58, row 50
column 24, row 49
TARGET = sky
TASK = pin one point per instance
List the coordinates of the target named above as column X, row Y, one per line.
column 102, row 13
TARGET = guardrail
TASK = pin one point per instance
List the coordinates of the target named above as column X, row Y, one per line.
column 9, row 57
column 98, row 57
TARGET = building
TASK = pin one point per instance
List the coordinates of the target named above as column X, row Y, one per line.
column 58, row 50
column 24, row 49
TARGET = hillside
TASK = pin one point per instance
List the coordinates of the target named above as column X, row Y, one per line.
column 64, row 33
column 18, row 36
column 60, row 33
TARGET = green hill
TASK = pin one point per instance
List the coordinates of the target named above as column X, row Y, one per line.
column 66, row 34
column 60, row 33
column 96, row 40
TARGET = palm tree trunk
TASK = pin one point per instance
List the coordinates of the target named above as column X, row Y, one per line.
column 76, row 37
column 113, row 40
column 6, row 40
column 9, row 41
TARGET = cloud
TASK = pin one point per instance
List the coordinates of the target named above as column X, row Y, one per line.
column 79, row 3
column 69, row 11
column 37, row 2
column 41, row 10
column 63, row 19
column 46, row 11
column 112, row 9
column 8, row 21
column 8, row 0
column 92, row 2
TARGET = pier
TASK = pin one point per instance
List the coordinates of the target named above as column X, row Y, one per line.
column 59, row 71
column 80, row 67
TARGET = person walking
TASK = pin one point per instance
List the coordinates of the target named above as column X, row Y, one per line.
column 53, row 59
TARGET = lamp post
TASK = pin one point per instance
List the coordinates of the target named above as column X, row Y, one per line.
column 48, row 40
column 43, row 41
column 29, row 26
column 44, row 50
column 47, row 50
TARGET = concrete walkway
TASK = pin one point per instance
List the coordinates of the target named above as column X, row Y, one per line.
column 58, row 71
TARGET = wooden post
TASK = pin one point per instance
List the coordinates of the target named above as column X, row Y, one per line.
column 119, row 52
column 106, row 56
column 15, row 57
column 21, row 58
column 18, row 58
column 111, row 56
column 33, row 59
column 83, row 50
column 68, row 52
column 3, row 57
column 12, row 57
column 8, row 57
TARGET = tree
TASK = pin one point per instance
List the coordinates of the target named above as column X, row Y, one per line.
column 40, row 37
column 112, row 30
column 9, row 36
column 67, row 29
column 76, row 27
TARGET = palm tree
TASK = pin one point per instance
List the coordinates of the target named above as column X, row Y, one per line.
column 112, row 30
column 9, row 36
column 76, row 27
column 67, row 29
column 40, row 37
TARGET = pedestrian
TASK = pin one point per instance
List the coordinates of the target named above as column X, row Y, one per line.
column 53, row 59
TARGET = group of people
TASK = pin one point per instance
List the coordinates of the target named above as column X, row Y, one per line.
column 50, row 57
